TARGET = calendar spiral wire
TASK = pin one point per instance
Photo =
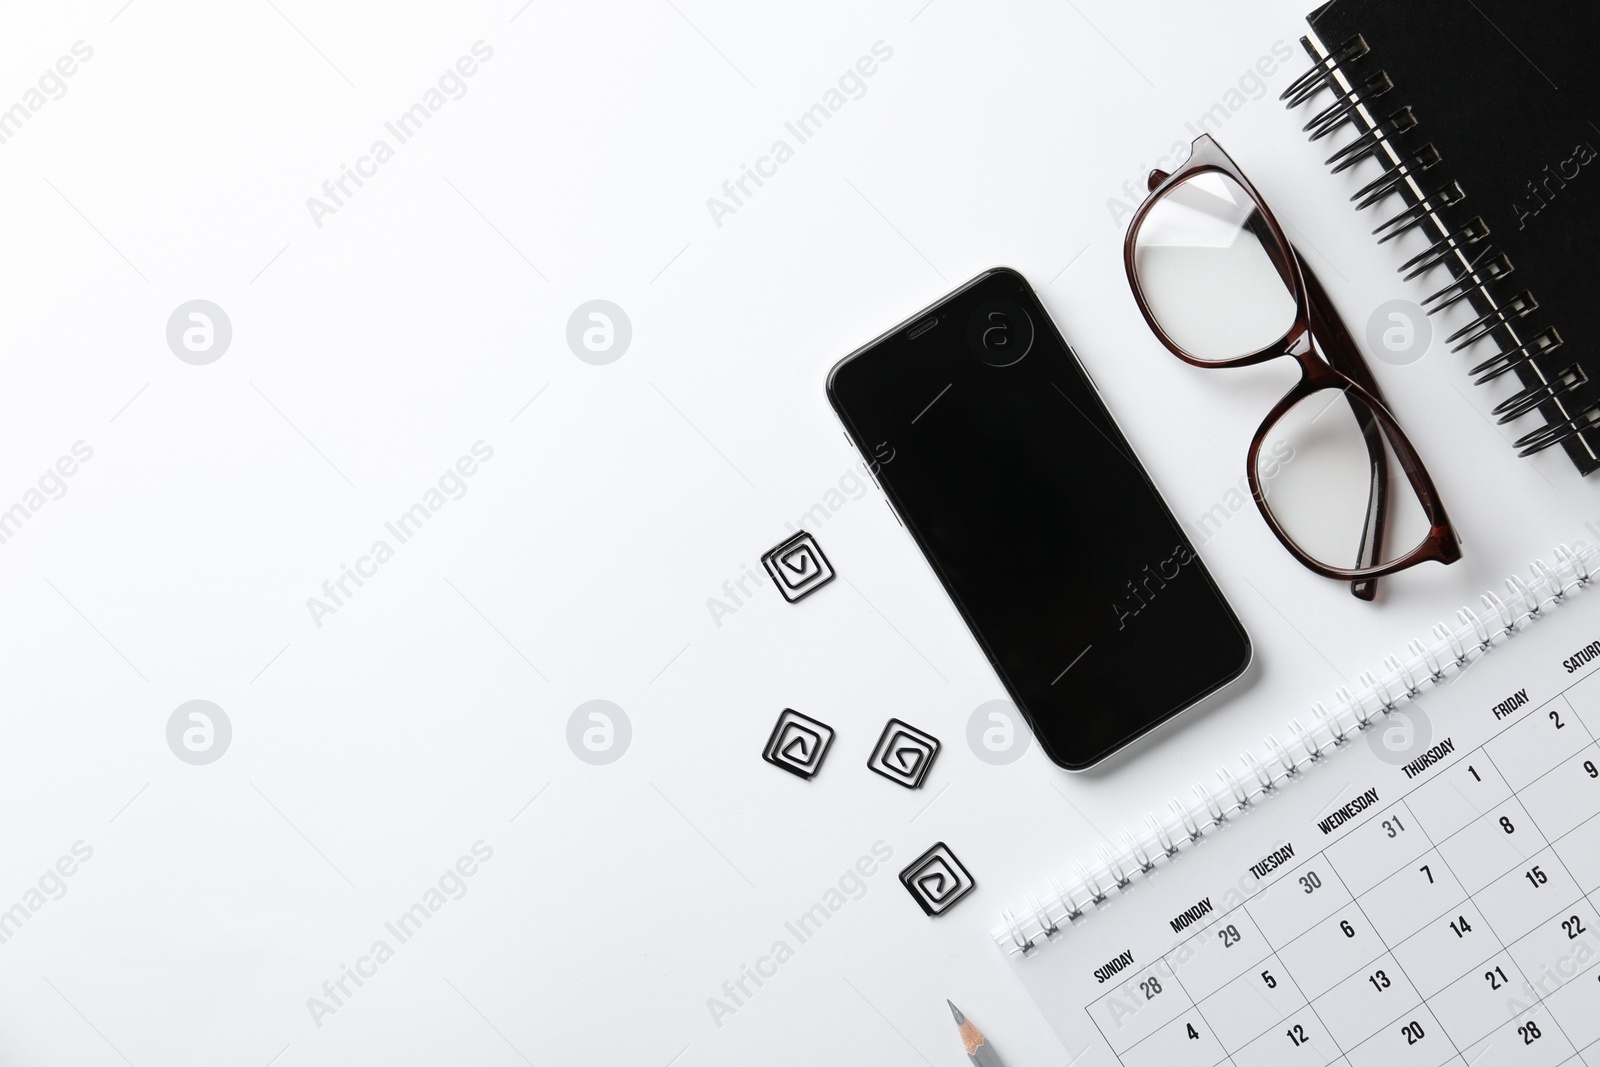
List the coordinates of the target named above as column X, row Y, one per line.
column 1453, row 650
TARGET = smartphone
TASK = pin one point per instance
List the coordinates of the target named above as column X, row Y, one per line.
column 996, row 452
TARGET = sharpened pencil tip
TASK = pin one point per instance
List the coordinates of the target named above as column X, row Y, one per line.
column 957, row 1013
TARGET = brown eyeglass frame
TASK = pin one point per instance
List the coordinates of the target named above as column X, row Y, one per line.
column 1343, row 368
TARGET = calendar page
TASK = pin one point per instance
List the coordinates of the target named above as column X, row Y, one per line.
column 1420, row 899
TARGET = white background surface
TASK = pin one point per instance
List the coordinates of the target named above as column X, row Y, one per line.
column 369, row 353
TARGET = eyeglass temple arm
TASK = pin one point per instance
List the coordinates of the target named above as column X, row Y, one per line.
column 1331, row 334
column 1341, row 351
column 1329, row 330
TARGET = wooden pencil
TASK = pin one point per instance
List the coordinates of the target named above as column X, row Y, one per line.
column 979, row 1051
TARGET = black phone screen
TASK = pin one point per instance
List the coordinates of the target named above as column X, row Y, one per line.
column 997, row 453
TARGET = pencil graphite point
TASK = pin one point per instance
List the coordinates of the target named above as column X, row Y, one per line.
column 972, row 1038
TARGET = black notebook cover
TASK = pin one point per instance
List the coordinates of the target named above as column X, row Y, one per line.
column 1507, row 93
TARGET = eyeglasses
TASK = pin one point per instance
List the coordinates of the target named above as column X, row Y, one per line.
column 1221, row 286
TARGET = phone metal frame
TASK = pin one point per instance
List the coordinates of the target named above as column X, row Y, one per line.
column 862, row 448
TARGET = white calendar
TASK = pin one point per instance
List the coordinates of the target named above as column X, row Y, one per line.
column 1422, row 892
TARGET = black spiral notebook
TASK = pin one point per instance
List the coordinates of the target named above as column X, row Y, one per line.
column 1476, row 119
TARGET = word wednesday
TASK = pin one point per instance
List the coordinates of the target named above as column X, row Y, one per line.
column 1343, row 815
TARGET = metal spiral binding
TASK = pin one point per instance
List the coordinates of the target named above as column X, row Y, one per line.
column 1397, row 123
column 1509, row 358
column 1382, row 186
column 1571, row 402
column 1468, row 234
column 1447, row 194
column 1490, row 265
column 1316, row 79
column 1519, row 405
column 1555, row 433
column 1451, row 652
column 1476, row 330
column 1336, row 115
